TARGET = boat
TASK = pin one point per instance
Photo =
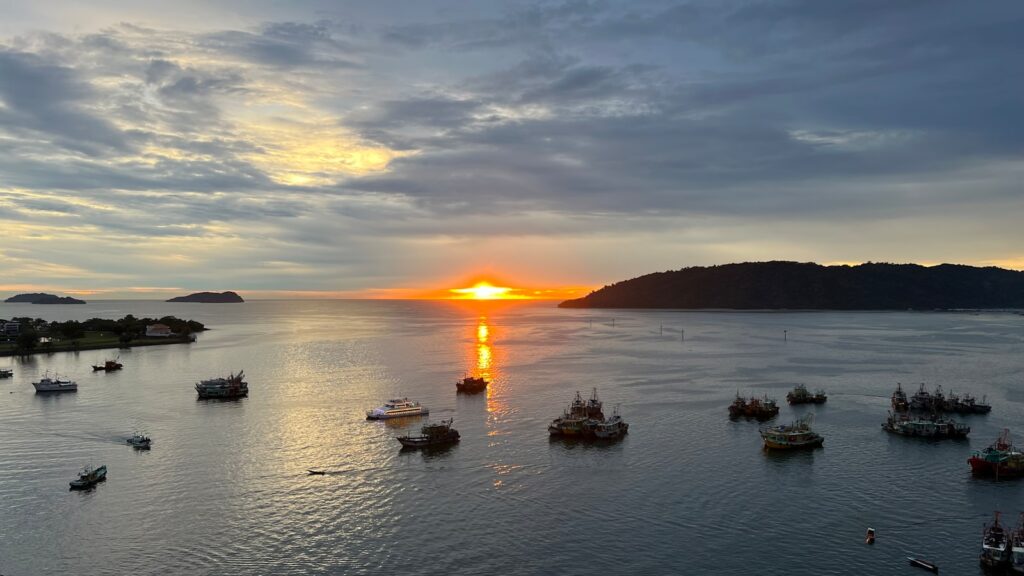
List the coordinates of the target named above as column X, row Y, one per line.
column 967, row 404
column 231, row 387
column 432, row 435
column 926, row 427
column 800, row 395
column 6, row 372
column 612, row 428
column 108, row 366
column 471, row 385
column 994, row 545
column 584, row 419
column 397, row 408
column 922, row 400
column 316, row 472
column 1017, row 547
column 999, row 459
column 919, row 563
column 899, row 399
column 869, row 536
column 89, row 477
column 140, row 441
column 792, row 436
column 55, row 384
column 759, row 408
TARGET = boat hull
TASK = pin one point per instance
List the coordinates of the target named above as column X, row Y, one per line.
column 770, row 444
column 425, row 442
column 374, row 415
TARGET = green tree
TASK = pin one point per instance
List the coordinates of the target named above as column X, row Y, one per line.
column 26, row 341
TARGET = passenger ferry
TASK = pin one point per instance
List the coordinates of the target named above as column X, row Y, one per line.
column 397, row 408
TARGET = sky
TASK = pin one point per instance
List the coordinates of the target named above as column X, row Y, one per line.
column 309, row 148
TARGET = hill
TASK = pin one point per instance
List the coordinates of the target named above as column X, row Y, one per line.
column 210, row 298
column 809, row 286
column 41, row 298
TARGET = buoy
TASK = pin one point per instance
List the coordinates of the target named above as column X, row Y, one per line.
column 869, row 537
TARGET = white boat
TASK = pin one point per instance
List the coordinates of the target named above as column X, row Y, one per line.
column 55, row 384
column 397, row 408
column 140, row 441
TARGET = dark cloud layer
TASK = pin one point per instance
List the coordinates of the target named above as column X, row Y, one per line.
column 554, row 118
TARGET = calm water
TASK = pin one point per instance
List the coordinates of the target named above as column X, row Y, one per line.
column 224, row 490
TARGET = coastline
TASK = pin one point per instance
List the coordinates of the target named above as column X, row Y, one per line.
column 6, row 350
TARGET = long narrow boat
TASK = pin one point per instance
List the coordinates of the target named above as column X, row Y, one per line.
column 919, row 563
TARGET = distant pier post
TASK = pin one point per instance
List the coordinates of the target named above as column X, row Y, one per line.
column 682, row 335
column 613, row 322
column 661, row 329
column 785, row 335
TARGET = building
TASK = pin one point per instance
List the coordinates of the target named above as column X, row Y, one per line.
column 158, row 331
column 10, row 328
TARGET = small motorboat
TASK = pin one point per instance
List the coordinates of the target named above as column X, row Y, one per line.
column 6, row 372
column 869, row 537
column 923, row 564
column 316, row 472
column 89, row 477
column 108, row 366
column 140, row 441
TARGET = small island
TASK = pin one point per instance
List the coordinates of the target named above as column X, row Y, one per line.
column 228, row 297
column 809, row 286
column 41, row 298
column 23, row 336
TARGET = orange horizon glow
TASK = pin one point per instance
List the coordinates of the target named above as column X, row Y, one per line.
column 486, row 291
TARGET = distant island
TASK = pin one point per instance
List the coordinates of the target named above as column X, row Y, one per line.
column 41, row 298
column 809, row 286
column 210, row 298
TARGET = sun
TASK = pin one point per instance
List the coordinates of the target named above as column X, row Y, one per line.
column 484, row 291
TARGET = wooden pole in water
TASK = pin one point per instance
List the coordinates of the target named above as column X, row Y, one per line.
column 785, row 335
column 613, row 322
column 661, row 329
column 682, row 335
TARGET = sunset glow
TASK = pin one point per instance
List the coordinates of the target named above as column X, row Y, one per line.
column 486, row 291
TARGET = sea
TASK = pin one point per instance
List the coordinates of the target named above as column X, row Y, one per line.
column 225, row 488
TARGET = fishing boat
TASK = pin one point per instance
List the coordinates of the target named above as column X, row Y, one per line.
column 234, row 386
column 1017, row 547
column 471, row 385
column 140, row 441
column 800, row 395
column 999, row 460
column 432, row 435
column 89, row 477
column 612, row 428
column 6, row 372
column 316, row 472
column 792, row 436
column 926, row 427
column 967, row 404
column 397, row 408
column 922, row 400
column 108, row 366
column 919, row 563
column 899, row 399
column 994, row 545
column 583, row 418
column 55, row 384
column 759, row 408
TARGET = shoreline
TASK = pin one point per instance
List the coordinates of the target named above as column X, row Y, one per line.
column 97, row 346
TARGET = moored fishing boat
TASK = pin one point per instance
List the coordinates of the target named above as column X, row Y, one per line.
column 55, row 384
column 925, row 427
column 967, row 404
column 432, row 435
column 584, row 419
column 922, row 400
column 999, row 459
column 1017, row 547
column 89, row 477
column 759, row 408
column 994, row 545
column 397, row 408
column 899, row 399
column 471, row 385
column 801, row 395
column 792, row 436
column 234, row 386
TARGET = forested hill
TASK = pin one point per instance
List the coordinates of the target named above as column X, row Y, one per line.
column 809, row 286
